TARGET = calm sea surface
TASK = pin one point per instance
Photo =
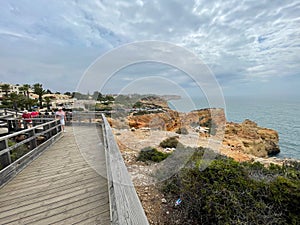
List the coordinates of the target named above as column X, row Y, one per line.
column 280, row 115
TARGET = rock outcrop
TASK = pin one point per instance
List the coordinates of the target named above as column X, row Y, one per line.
column 249, row 138
column 161, row 121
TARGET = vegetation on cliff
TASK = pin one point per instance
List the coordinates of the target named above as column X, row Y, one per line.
column 151, row 154
column 228, row 192
column 170, row 142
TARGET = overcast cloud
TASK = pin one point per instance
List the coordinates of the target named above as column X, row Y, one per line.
column 250, row 46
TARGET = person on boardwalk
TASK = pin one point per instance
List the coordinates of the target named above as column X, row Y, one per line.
column 35, row 113
column 61, row 115
column 26, row 117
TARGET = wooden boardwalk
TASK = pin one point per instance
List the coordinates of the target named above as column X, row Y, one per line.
column 60, row 187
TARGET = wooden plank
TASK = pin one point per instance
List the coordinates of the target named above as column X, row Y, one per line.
column 59, row 187
column 41, row 195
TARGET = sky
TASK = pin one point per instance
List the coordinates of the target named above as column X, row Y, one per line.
column 250, row 47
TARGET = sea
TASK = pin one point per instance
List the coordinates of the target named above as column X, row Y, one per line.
column 280, row 114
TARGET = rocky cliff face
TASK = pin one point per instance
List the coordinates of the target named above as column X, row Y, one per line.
column 246, row 137
column 249, row 138
column 160, row 121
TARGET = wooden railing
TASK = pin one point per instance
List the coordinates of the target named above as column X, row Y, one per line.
column 125, row 206
column 81, row 118
column 10, row 112
column 34, row 140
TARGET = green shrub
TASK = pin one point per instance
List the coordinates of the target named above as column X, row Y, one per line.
column 138, row 104
column 226, row 193
column 170, row 142
column 17, row 152
column 182, row 130
column 152, row 154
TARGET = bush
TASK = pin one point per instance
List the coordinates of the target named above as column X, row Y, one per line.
column 182, row 130
column 225, row 193
column 17, row 152
column 138, row 104
column 152, row 154
column 170, row 142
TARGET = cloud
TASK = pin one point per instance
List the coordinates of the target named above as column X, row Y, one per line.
column 240, row 40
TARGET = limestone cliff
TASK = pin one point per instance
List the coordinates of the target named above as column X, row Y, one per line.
column 249, row 138
column 163, row 121
column 246, row 137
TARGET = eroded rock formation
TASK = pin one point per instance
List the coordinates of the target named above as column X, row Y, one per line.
column 249, row 138
column 245, row 137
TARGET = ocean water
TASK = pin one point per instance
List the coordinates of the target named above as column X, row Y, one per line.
column 282, row 115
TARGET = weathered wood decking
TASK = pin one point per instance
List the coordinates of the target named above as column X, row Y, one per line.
column 60, row 187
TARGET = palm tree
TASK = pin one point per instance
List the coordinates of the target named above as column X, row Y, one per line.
column 16, row 100
column 31, row 102
column 25, row 89
column 38, row 89
column 48, row 100
column 5, row 88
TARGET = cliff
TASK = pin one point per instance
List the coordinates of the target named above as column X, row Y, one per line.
column 243, row 138
column 249, row 138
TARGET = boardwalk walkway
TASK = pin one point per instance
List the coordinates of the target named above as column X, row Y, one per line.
column 59, row 187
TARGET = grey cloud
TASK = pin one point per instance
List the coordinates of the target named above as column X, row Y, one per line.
column 239, row 40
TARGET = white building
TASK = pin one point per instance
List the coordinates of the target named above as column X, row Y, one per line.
column 12, row 88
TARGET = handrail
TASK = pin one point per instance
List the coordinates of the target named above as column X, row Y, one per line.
column 125, row 205
column 17, row 124
column 29, row 130
column 11, row 111
column 51, row 131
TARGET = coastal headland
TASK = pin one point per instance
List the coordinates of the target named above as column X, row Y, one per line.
column 150, row 131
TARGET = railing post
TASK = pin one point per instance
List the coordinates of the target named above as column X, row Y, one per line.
column 5, row 159
column 68, row 118
column 33, row 142
column 9, row 126
column 58, row 129
column 24, row 124
column 15, row 124
column 33, row 122
column 52, row 132
column 47, row 134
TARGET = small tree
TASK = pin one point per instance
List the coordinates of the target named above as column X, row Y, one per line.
column 48, row 100
column 16, row 100
column 25, row 89
column 5, row 88
column 38, row 89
